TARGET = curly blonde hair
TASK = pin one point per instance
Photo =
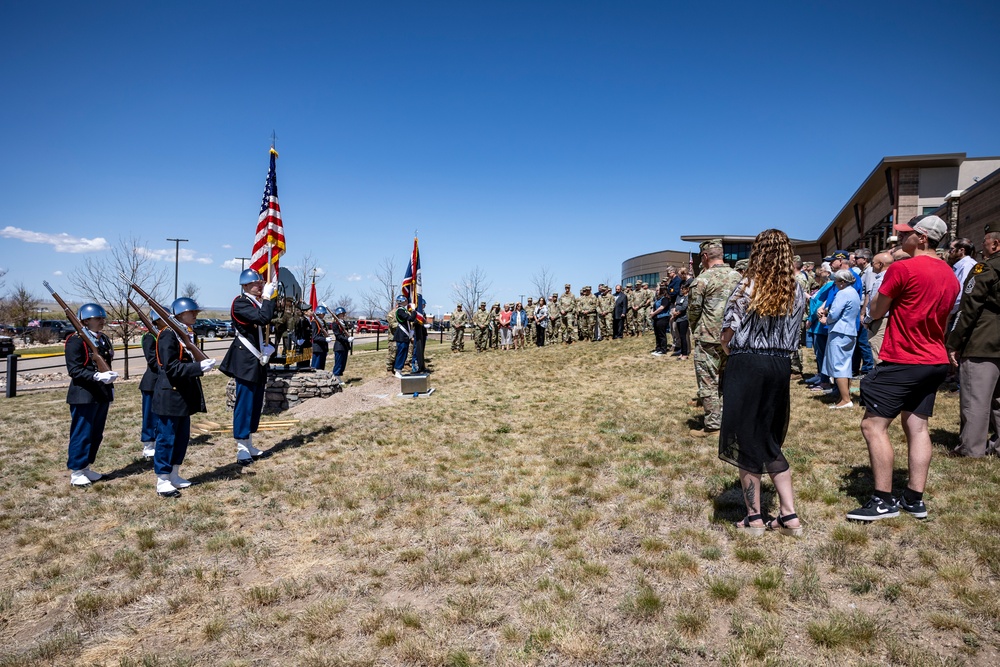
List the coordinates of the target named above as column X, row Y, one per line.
column 772, row 273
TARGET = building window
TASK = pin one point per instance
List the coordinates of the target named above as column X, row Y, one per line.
column 647, row 278
column 733, row 252
column 927, row 210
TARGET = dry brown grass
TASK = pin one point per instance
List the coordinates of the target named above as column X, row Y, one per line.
column 545, row 507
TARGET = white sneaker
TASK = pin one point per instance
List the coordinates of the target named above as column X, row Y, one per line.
column 91, row 475
column 78, row 478
column 165, row 487
column 148, row 450
column 177, row 480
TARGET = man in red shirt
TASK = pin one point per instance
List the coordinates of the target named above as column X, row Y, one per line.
column 919, row 294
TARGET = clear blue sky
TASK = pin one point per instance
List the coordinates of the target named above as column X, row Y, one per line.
column 512, row 135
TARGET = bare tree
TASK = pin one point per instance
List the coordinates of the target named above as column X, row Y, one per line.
column 20, row 305
column 347, row 303
column 99, row 280
column 3, row 272
column 190, row 291
column 471, row 289
column 377, row 300
column 543, row 282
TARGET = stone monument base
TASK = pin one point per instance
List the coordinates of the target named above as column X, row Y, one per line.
column 287, row 388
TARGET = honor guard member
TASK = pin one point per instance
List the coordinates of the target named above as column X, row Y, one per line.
column 320, row 338
column 146, row 386
column 341, row 343
column 404, row 333
column 247, row 359
column 303, row 334
column 90, row 394
column 974, row 346
column 480, row 323
column 567, row 308
column 176, row 396
column 459, row 320
column 707, row 301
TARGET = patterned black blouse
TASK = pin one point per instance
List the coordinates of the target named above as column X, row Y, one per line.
column 772, row 335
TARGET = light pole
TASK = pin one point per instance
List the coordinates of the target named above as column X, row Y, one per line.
column 177, row 259
column 243, row 262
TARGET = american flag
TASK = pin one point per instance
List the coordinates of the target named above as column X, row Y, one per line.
column 412, row 281
column 270, row 232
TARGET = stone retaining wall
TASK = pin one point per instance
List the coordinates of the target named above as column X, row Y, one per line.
column 286, row 389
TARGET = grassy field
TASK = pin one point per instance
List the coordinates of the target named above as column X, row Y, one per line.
column 545, row 507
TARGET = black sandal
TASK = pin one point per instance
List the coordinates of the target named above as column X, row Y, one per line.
column 782, row 528
column 744, row 525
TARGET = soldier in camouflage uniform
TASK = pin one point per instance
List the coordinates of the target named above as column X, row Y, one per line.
column 741, row 266
column 803, row 280
column 605, row 311
column 390, row 360
column 459, row 320
column 707, row 300
column 529, row 326
column 494, row 327
column 646, row 299
column 586, row 306
column 554, row 332
column 565, row 313
column 634, row 326
column 480, row 327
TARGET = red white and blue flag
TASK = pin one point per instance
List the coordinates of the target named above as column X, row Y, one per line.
column 269, row 243
column 412, row 282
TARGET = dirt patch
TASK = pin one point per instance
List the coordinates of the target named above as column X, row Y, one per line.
column 354, row 398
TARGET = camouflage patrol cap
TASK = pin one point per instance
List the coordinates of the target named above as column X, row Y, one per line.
column 567, row 286
column 742, row 265
column 709, row 244
column 796, row 258
column 482, row 303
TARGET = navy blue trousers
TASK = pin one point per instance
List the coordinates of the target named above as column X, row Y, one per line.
column 246, row 413
column 402, row 349
column 148, row 418
column 318, row 360
column 172, row 437
column 86, row 431
column 339, row 362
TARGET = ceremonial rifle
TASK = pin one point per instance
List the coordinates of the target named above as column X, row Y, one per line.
column 179, row 329
column 146, row 322
column 99, row 361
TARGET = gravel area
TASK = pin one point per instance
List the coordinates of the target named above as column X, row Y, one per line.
column 371, row 395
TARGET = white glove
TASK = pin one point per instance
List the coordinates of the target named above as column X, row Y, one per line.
column 207, row 365
column 270, row 289
column 329, row 339
column 267, row 350
column 300, row 342
column 350, row 339
column 106, row 377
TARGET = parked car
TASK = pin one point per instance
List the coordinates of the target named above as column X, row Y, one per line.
column 53, row 330
column 206, row 328
column 372, row 326
column 225, row 327
column 6, row 346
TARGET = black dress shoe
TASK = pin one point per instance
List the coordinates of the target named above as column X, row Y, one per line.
column 169, row 494
column 244, row 462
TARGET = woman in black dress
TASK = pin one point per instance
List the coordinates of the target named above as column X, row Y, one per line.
column 760, row 330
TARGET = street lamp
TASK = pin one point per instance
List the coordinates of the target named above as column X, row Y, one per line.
column 243, row 262
column 177, row 258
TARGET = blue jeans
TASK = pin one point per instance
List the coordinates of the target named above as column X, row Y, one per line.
column 865, row 349
column 172, row 437
column 86, row 431
column 246, row 413
column 819, row 347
